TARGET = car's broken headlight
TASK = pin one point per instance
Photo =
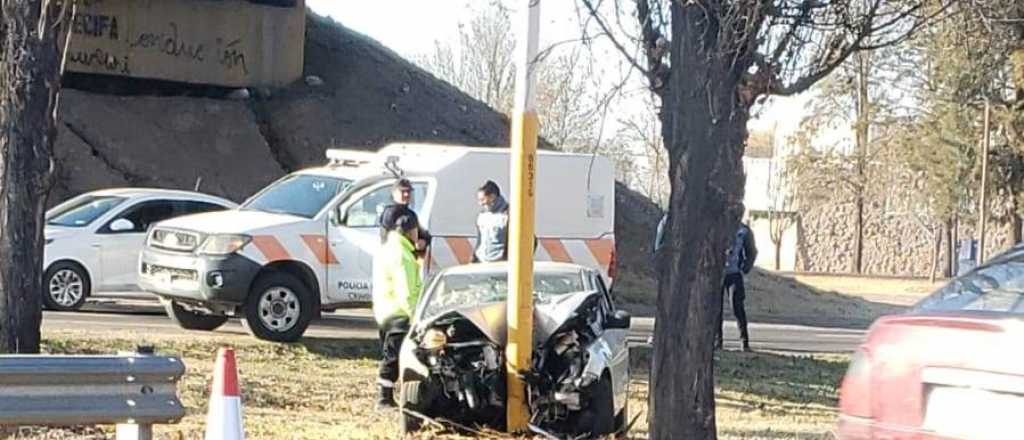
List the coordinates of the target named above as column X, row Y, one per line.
column 433, row 339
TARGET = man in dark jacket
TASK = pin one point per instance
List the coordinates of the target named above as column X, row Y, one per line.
column 491, row 225
column 739, row 260
column 401, row 194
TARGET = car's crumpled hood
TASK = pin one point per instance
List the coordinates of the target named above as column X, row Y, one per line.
column 492, row 318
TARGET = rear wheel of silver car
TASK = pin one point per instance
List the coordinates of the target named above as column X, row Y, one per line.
column 65, row 287
column 279, row 308
column 603, row 406
column 190, row 320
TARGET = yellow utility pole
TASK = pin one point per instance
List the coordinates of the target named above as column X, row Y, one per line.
column 520, row 254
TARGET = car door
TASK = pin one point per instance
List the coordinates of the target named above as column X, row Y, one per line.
column 119, row 249
column 618, row 342
column 355, row 239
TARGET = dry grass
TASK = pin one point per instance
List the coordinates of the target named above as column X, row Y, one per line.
column 323, row 389
column 828, row 301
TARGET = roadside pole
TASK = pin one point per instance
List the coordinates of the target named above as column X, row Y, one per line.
column 983, row 206
column 521, row 231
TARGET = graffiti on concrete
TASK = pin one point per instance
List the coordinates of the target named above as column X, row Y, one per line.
column 228, row 43
column 170, row 41
column 102, row 59
column 232, row 56
column 95, row 25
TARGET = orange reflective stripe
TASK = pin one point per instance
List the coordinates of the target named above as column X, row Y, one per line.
column 461, row 248
column 318, row 244
column 271, row 248
column 602, row 251
column 556, row 250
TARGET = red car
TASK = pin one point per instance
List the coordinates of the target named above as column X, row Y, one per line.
column 950, row 368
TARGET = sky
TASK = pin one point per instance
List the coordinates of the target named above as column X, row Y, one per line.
column 411, row 28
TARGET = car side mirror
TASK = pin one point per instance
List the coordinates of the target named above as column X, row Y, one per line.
column 619, row 320
column 122, row 225
column 332, row 217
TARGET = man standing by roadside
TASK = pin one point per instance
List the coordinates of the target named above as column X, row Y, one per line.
column 739, row 260
column 396, row 290
column 401, row 195
column 491, row 225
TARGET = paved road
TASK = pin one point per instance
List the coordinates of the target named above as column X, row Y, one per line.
column 148, row 317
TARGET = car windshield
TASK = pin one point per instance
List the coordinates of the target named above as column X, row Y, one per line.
column 81, row 211
column 302, row 195
column 470, row 289
column 998, row 287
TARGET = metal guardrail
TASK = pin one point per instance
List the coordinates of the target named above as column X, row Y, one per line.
column 131, row 390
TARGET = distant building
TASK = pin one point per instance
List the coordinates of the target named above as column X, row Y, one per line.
column 765, row 207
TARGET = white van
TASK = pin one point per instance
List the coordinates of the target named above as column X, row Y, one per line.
column 305, row 243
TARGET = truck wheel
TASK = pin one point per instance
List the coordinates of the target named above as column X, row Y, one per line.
column 65, row 287
column 190, row 320
column 411, row 397
column 279, row 308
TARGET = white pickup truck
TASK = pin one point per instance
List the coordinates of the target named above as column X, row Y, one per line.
column 306, row 242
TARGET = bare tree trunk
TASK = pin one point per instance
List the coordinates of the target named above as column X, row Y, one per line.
column 953, row 244
column 936, row 249
column 704, row 127
column 30, row 64
column 778, row 254
column 1016, row 223
column 863, row 131
column 947, row 232
column 858, row 251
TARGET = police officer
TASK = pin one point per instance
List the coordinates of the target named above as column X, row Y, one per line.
column 739, row 260
column 396, row 290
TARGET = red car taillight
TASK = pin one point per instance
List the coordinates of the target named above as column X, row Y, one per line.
column 855, row 392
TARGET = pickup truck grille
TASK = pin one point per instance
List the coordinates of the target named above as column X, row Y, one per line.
column 173, row 240
column 172, row 274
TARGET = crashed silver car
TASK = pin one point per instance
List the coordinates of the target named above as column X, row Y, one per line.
column 453, row 360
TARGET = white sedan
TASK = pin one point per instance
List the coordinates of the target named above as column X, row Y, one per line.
column 93, row 240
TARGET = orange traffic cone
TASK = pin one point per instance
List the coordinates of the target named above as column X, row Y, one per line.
column 224, row 419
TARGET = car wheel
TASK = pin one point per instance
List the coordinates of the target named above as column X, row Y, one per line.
column 603, row 406
column 190, row 320
column 411, row 397
column 621, row 421
column 279, row 308
column 65, row 287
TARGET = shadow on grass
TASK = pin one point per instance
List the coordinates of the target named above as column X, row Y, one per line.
column 764, row 395
column 343, row 348
column 767, row 378
column 771, row 299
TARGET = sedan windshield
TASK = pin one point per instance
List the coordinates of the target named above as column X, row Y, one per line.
column 998, row 287
column 81, row 211
column 302, row 195
column 471, row 289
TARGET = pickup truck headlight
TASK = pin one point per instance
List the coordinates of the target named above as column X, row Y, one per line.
column 224, row 244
